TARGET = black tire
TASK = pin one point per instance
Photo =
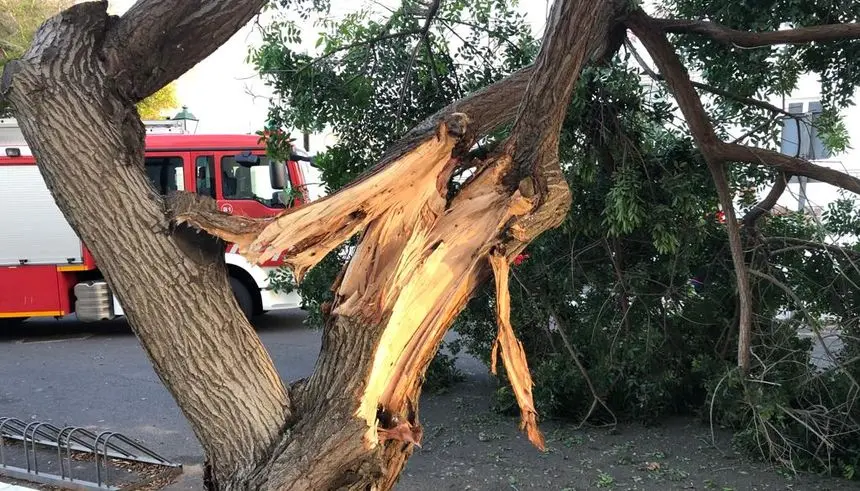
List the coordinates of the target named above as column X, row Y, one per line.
column 243, row 296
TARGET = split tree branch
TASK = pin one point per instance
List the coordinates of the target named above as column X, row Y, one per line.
column 748, row 39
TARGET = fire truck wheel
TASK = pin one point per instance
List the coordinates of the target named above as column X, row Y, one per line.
column 243, row 296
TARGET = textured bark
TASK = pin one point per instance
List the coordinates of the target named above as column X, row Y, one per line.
column 156, row 41
column 419, row 260
column 88, row 141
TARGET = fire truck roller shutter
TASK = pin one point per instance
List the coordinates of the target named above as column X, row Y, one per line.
column 36, row 232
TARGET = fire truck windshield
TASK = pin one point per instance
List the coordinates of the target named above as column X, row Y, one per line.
column 249, row 181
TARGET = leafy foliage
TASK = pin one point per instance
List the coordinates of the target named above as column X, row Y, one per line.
column 632, row 300
column 154, row 106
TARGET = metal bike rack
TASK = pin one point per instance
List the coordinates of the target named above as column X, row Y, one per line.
column 71, row 440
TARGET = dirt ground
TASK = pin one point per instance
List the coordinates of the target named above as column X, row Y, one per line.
column 468, row 446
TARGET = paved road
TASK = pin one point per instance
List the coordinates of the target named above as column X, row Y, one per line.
column 97, row 375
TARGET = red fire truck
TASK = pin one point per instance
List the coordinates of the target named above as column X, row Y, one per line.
column 45, row 270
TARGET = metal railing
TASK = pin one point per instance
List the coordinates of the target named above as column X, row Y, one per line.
column 70, row 442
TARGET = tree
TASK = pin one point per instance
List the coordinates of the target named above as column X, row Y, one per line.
column 422, row 252
column 629, row 309
column 19, row 20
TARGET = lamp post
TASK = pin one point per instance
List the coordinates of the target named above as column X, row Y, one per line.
column 185, row 116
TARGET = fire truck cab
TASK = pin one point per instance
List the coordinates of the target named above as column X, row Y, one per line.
column 46, row 271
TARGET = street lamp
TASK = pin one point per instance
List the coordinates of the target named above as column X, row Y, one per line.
column 185, row 116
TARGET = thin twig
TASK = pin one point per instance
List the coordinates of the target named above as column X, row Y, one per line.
column 432, row 9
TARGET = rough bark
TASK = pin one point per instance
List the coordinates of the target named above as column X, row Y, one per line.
column 353, row 423
column 419, row 260
column 84, row 131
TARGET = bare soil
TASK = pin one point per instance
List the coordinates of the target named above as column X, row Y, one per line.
column 469, row 446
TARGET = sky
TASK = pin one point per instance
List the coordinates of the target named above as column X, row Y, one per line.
column 218, row 90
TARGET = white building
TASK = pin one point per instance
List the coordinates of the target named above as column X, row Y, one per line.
column 808, row 194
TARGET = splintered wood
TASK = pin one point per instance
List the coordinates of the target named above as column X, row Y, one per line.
column 419, row 260
column 305, row 235
column 513, row 355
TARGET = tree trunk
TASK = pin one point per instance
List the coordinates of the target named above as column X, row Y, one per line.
column 419, row 261
column 173, row 286
column 353, row 423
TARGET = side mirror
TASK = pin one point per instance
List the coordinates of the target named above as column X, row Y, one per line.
column 299, row 155
column 278, row 174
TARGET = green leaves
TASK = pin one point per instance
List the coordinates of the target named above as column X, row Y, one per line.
column 639, row 276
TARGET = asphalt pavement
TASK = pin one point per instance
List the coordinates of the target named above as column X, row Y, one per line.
column 97, row 376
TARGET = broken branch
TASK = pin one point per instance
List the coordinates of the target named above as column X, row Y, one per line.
column 305, row 235
column 513, row 354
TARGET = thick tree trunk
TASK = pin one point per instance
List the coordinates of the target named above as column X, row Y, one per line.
column 353, row 423
column 89, row 145
column 419, row 260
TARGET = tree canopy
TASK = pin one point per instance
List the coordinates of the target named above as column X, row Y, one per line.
column 630, row 308
column 156, row 105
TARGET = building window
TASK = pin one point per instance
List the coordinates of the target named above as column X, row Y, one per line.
column 165, row 173
column 799, row 136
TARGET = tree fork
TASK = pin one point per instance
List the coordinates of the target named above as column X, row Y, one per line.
column 190, row 325
column 419, row 260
